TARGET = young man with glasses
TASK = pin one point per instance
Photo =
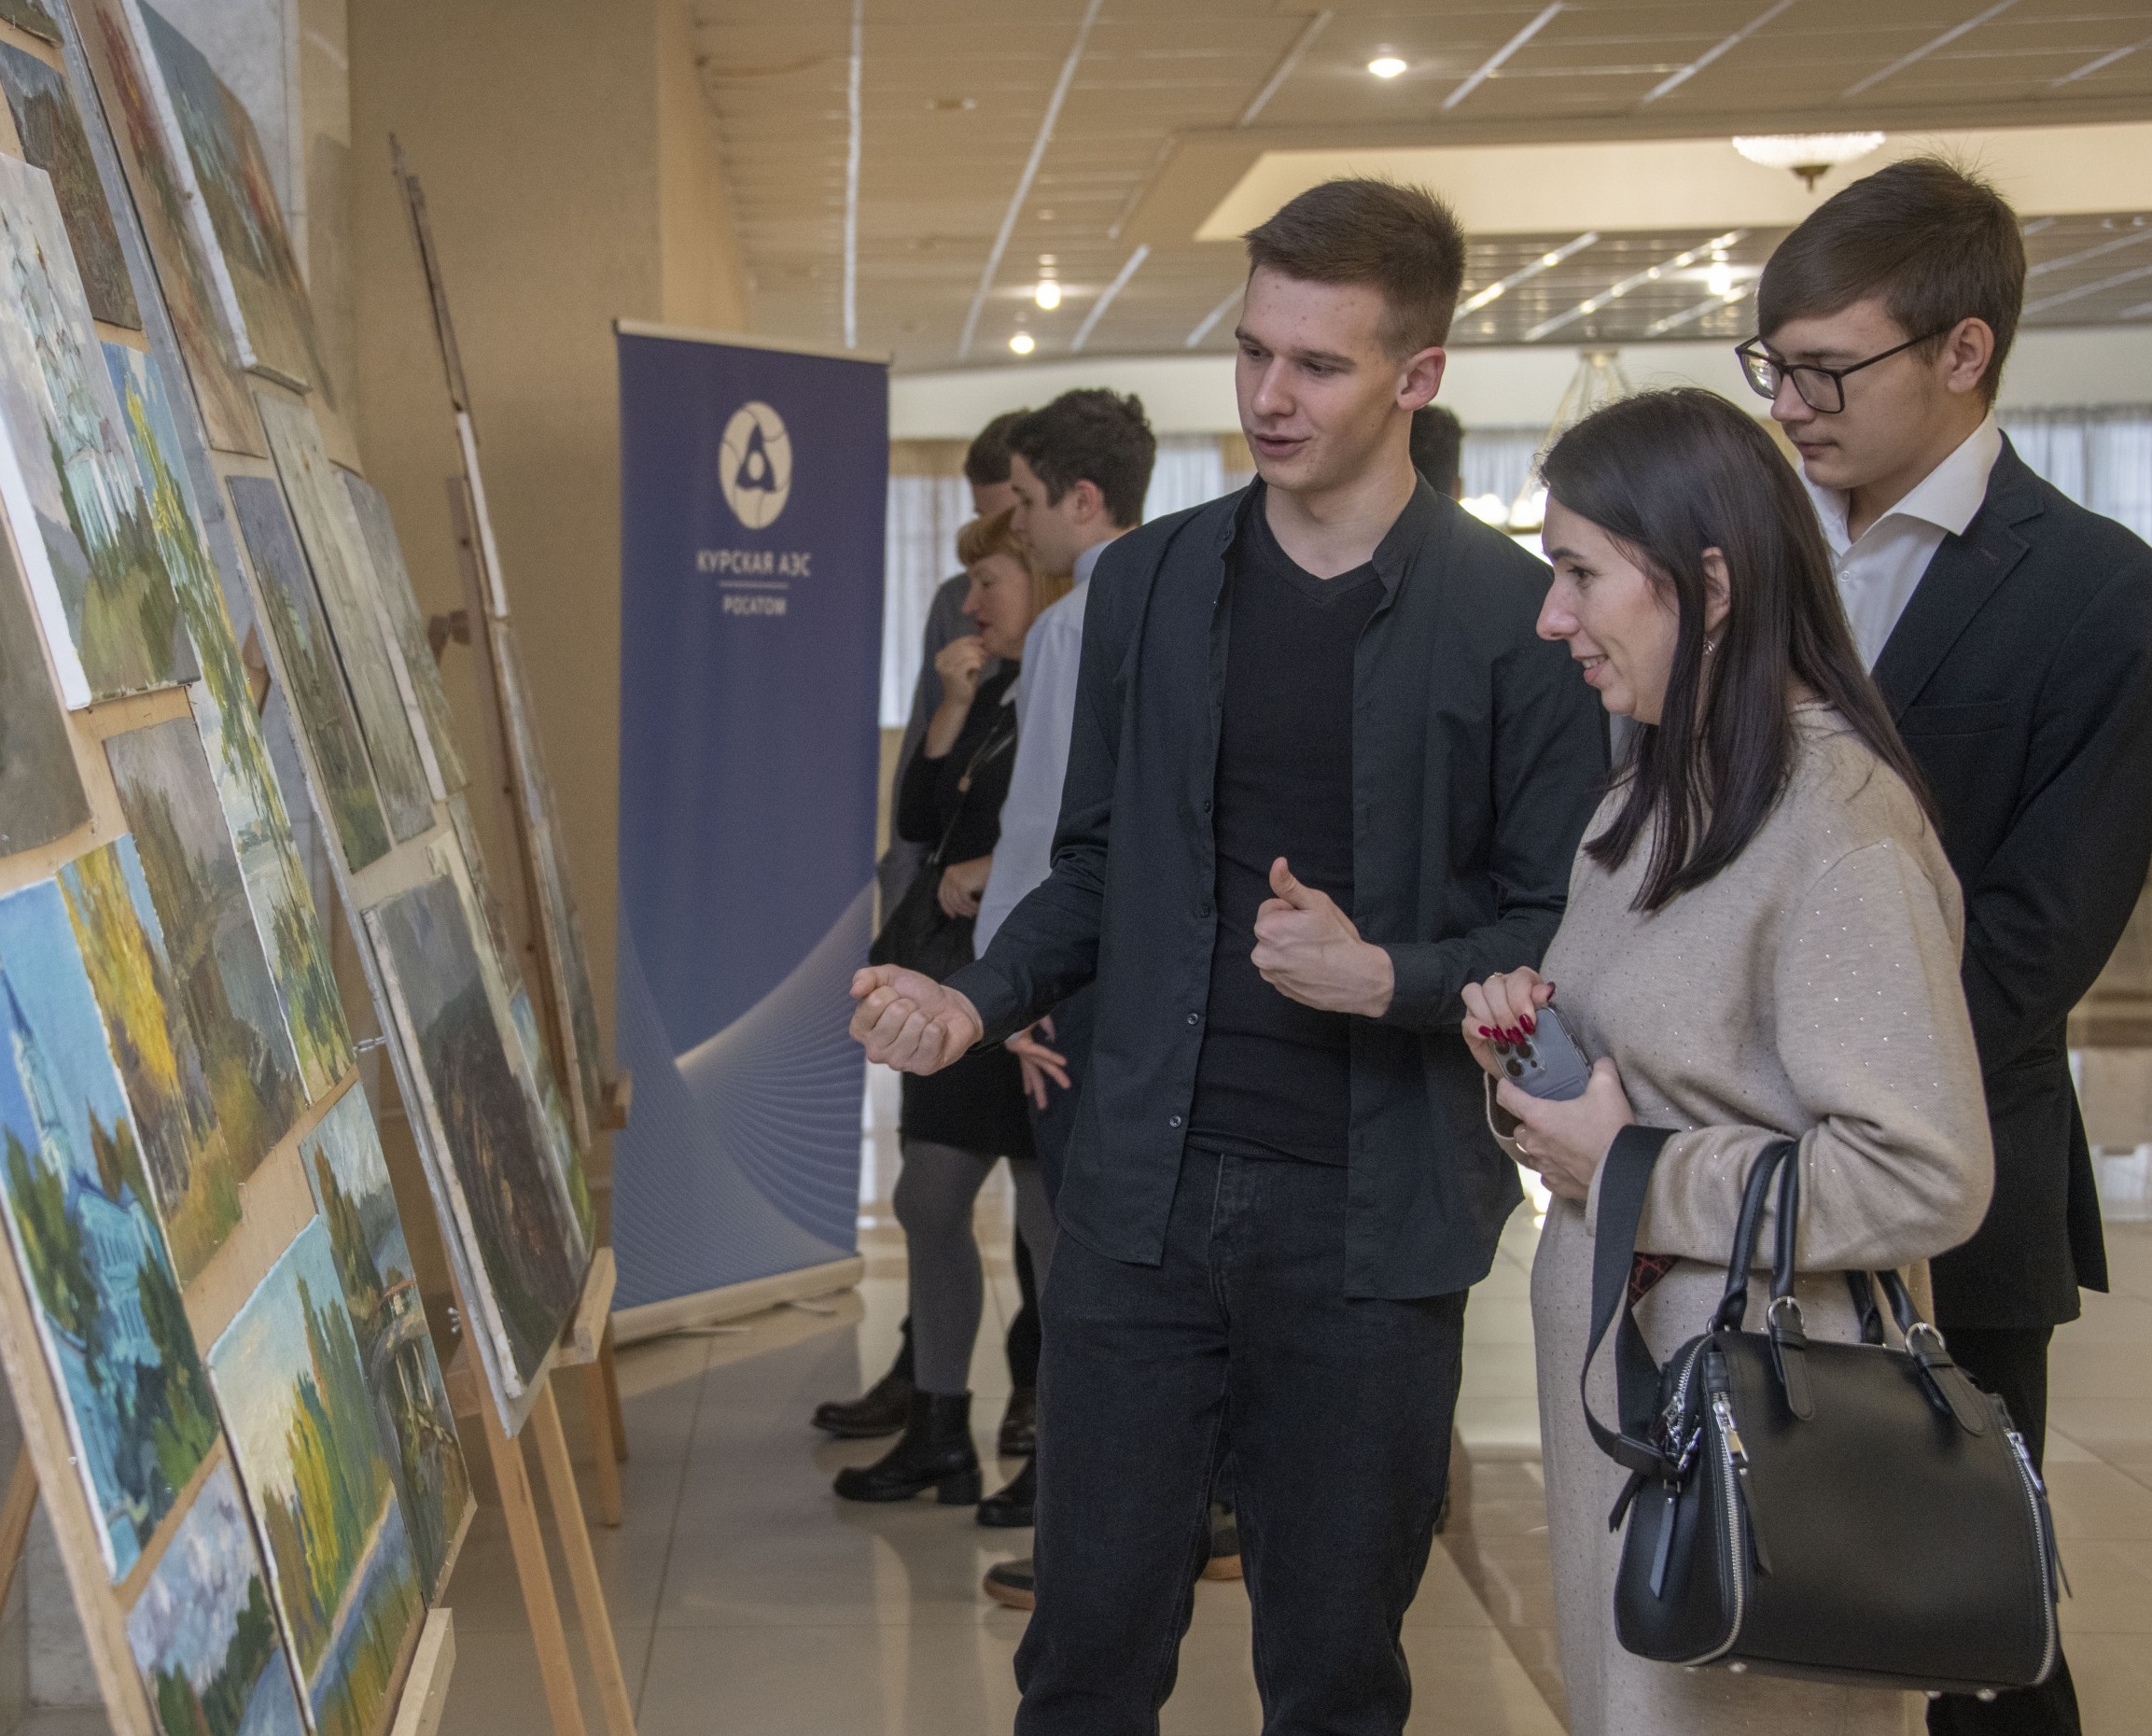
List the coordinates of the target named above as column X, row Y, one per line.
column 2011, row 633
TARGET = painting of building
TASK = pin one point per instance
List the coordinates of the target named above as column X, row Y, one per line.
column 202, row 1633
column 169, row 800
column 82, row 525
column 254, row 812
column 296, row 1405
column 106, row 1304
column 411, row 1414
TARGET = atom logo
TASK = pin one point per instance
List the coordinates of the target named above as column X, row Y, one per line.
column 755, row 466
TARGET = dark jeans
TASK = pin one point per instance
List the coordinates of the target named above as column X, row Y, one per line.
column 2012, row 1363
column 1337, row 1414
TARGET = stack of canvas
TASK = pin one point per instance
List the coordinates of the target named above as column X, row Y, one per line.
column 210, row 1314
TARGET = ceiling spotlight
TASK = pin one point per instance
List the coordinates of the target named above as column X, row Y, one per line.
column 1719, row 280
column 1048, row 294
column 1022, row 343
column 1386, row 66
column 1809, row 154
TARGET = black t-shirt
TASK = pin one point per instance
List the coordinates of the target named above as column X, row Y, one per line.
column 1274, row 1077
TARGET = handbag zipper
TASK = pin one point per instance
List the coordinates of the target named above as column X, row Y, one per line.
column 1723, row 1414
column 2037, row 1493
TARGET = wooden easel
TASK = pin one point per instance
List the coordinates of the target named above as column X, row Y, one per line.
column 468, row 1396
column 425, row 1695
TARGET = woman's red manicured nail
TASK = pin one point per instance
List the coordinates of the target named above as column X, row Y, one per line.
column 1486, row 1030
column 1529, row 1027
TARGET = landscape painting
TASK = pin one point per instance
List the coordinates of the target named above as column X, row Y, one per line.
column 192, row 1179
column 312, row 681
column 575, row 1006
column 511, row 1006
column 288, row 1373
column 433, row 725
column 202, row 1633
column 268, row 307
column 410, row 1408
column 253, row 811
column 161, row 198
column 139, row 1411
column 170, row 801
column 81, row 523
column 328, row 532
column 41, row 795
column 520, row 1241
column 52, row 138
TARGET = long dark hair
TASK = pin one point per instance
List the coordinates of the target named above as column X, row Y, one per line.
column 1670, row 474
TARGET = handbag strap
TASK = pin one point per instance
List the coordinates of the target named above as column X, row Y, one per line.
column 1625, row 1180
column 998, row 737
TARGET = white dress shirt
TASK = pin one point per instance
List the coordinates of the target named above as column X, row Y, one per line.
column 1878, row 571
column 1045, row 698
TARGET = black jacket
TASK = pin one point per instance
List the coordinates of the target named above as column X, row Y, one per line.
column 1478, row 756
column 2020, row 675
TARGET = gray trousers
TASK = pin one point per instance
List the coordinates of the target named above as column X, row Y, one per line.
column 935, row 1193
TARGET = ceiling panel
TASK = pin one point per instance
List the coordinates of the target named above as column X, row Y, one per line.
column 1156, row 125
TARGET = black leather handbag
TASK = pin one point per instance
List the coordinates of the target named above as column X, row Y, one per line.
column 918, row 934
column 1855, row 1513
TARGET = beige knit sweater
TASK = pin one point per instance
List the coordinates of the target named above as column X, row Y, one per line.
column 1809, row 990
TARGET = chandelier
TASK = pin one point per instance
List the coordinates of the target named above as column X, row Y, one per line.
column 1809, row 154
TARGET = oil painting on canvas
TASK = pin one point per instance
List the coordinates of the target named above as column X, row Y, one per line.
column 328, row 532
column 312, row 681
column 434, row 724
column 202, row 1633
column 51, row 133
column 139, row 1411
column 81, row 523
column 517, row 1235
column 33, row 16
column 111, row 44
column 41, row 795
column 238, row 199
column 410, row 1408
column 169, row 800
column 287, row 1374
column 253, row 811
column 193, row 1182
column 575, row 1006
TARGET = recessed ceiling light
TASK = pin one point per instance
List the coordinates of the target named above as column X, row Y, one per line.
column 1386, row 66
column 1048, row 294
column 1022, row 343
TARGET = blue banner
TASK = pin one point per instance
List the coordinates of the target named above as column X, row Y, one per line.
column 754, row 491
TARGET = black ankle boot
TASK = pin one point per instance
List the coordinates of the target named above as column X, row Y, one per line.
column 880, row 1410
column 935, row 1452
column 1012, row 1505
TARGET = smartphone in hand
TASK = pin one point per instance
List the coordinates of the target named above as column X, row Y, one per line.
column 1550, row 1062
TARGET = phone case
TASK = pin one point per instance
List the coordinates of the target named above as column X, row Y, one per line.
column 1550, row 1062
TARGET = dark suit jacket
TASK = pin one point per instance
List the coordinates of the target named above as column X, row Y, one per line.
column 2020, row 675
column 1477, row 759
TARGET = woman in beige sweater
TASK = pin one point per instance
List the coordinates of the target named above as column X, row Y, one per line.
column 1761, row 943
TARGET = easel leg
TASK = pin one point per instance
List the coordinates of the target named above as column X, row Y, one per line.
column 603, row 1443
column 15, row 1511
column 560, row 1475
column 535, row 1573
column 620, row 1425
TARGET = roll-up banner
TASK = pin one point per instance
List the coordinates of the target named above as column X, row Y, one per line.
column 754, row 482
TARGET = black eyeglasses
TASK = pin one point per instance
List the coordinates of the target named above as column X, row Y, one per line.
column 1821, row 389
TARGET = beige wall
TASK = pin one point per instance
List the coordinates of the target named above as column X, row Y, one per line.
column 570, row 181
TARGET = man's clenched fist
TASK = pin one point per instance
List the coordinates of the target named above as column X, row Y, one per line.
column 909, row 1021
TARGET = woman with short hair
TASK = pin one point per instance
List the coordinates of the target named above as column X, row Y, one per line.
column 1761, row 943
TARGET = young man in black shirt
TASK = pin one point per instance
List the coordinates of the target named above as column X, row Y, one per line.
column 1322, row 773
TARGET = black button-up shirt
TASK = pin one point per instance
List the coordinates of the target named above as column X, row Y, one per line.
column 1478, row 756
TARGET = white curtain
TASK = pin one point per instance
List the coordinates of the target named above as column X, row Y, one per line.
column 1496, row 461
column 925, row 514
column 2102, row 458
column 1189, row 472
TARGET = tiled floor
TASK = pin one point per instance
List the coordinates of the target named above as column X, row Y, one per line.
column 747, row 1598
